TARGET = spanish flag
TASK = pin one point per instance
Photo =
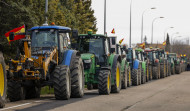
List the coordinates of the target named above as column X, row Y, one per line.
column 142, row 45
column 113, row 31
column 121, row 41
column 164, row 43
column 17, row 32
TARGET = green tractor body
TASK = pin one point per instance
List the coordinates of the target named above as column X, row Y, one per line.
column 102, row 68
column 171, row 60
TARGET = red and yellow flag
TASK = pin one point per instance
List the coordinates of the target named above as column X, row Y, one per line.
column 121, row 41
column 113, row 31
column 142, row 45
column 16, row 31
column 164, row 43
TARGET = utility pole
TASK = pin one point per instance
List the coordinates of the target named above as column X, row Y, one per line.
column 130, row 24
column 105, row 17
column 46, row 12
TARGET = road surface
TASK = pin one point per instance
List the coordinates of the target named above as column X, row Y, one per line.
column 168, row 94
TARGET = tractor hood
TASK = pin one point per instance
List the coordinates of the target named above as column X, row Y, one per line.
column 87, row 56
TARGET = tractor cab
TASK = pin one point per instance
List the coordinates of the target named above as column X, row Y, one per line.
column 46, row 38
column 91, row 45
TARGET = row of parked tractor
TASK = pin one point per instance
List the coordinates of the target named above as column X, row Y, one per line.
column 94, row 61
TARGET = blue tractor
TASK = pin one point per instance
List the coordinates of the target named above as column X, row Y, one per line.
column 135, row 66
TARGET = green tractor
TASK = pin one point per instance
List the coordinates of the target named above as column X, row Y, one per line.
column 154, row 64
column 184, row 60
column 177, row 62
column 125, row 68
column 171, row 59
column 163, row 63
column 102, row 69
column 140, row 57
column 3, row 80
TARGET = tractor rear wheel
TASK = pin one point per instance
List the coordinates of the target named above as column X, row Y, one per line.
column 178, row 69
column 150, row 72
column 125, row 79
column 139, row 75
column 129, row 81
column 147, row 72
column 169, row 69
column 117, row 81
column 32, row 91
column 3, row 81
column 15, row 91
column 142, row 76
column 155, row 72
column 62, row 82
column 77, row 78
column 162, row 71
column 104, row 82
column 135, row 77
column 173, row 70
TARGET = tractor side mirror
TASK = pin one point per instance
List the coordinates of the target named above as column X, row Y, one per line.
column 75, row 34
column 11, row 36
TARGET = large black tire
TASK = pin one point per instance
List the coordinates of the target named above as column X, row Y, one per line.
column 178, row 69
column 117, row 81
column 169, row 69
column 139, row 75
column 129, row 81
column 173, row 70
column 77, row 78
column 33, row 91
column 142, row 76
column 135, row 77
column 15, row 91
column 125, row 79
column 155, row 72
column 147, row 72
column 3, row 81
column 62, row 82
column 150, row 72
column 162, row 71
column 104, row 82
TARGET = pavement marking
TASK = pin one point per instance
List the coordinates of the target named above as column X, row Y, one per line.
column 15, row 106
column 23, row 104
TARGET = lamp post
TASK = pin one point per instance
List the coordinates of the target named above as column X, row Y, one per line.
column 176, row 37
column 143, row 21
column 173, row 35
column 130, row 24
column 105, row 17
column 167, row 31
column 153, row 27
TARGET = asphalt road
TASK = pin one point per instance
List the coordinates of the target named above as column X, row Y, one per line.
column 168, row 94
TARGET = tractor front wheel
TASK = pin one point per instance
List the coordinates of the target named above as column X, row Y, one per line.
column 125, row 79
column 62, row 82
column 135, row 77
column 129, row 81
column 77, row 78
column 104, row 82
column 15, row 91
column 3, row 81
column 117, row 81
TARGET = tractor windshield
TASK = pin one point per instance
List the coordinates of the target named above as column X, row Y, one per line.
column 94, row 46
column 44, row 38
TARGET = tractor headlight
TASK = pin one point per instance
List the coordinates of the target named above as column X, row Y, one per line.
column 87, row 61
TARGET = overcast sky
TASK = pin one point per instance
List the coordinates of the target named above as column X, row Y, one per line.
column 176, row 13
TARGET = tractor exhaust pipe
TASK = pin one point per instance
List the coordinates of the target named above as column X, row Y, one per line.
column 46, row 12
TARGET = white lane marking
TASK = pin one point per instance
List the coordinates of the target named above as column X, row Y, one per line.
column 23, row 104
column 15, row 106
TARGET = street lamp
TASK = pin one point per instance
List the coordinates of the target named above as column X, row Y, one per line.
column 105, row 17
column 167, row 31
column 143, row 21
column 130, row 24
column 153, row 27
column 176, row 37
column 173, row 36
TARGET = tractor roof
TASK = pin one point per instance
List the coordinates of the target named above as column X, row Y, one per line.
column 92, row 35
column 139, row 49
column 51, row 27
